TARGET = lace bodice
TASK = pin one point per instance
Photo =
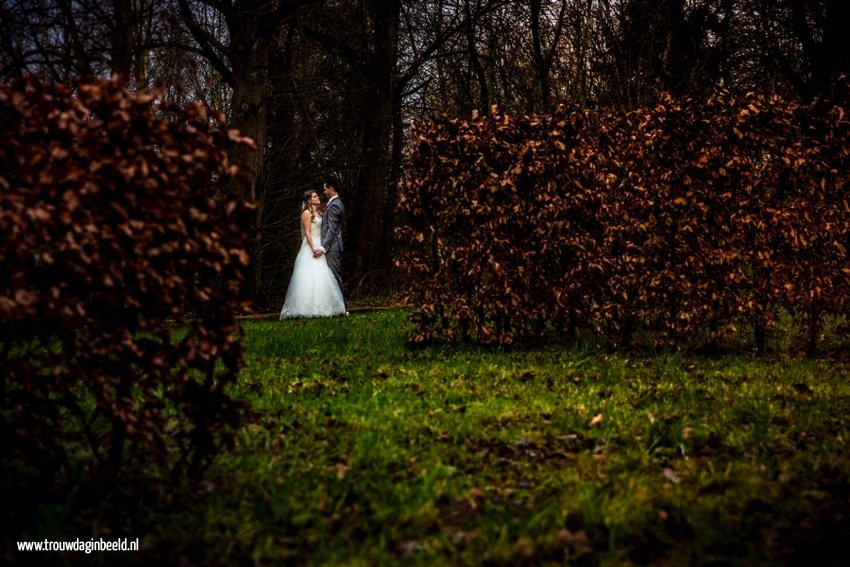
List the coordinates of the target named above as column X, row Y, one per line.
column 316, row 230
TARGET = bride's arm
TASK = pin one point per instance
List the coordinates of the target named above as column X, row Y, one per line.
column 306, row 219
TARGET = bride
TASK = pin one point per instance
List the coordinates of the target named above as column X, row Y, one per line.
column 313, row 290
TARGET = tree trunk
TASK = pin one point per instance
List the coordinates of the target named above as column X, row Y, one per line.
column 366, row 228
column 250, row 113
column 122, row 39
column 249, row 104
column 826, row 47
column 385, row 259
column 250, row 51
column 475, row 62
column 540, row 63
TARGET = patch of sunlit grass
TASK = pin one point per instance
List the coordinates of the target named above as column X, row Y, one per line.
column 363, row 452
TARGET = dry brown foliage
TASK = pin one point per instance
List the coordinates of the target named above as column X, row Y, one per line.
column 684, row 219
column 109, row 230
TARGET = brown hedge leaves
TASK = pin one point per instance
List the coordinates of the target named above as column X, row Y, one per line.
column 687, row 218
column 108, row 229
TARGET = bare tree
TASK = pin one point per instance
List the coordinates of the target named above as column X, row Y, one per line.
column 387, row 45
column 797, row 46
column 677, row 46
column 544, row 55
column 330, row 86
column 63, row 40
column 241, row 57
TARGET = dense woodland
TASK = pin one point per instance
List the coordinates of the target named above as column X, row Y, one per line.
column 686, row 160
column 333, row 86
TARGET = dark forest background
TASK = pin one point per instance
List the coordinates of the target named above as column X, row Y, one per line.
column 332, row 86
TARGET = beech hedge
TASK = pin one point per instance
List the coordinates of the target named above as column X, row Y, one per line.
column 690, row 219
column 114, row 229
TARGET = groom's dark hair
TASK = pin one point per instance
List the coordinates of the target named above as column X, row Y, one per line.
column 333, row 182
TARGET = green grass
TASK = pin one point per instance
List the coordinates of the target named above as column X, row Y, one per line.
column 364, row 452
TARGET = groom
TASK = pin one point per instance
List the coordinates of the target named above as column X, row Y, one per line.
column 331, row 245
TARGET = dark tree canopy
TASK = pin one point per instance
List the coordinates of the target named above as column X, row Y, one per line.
column 332, row 86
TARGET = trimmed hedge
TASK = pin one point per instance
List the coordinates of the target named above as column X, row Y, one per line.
column 687, row 219
column 112, row 229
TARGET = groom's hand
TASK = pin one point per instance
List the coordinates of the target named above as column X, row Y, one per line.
column 317, row 253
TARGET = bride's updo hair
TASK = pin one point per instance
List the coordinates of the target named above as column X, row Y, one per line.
column 305, row 203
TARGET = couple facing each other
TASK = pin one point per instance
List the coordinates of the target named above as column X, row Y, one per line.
column 315, row 289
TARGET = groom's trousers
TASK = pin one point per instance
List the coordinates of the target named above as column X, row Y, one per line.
column 334, row 258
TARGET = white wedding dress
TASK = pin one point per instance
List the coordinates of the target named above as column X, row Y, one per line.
column 313, row 290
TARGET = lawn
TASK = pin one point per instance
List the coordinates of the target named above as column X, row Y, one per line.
column 365, row 452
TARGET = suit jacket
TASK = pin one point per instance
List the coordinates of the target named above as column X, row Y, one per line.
column 332, row 225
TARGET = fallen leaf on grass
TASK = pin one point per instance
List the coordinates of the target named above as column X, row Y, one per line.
column 671, row 475
column 339, row 469
column 578, row 542
column 524, row 548
column 475, row 497
column 596, row 419
column 409, row 548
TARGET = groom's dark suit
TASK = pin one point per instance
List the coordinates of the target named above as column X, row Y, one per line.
column 332, row 236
